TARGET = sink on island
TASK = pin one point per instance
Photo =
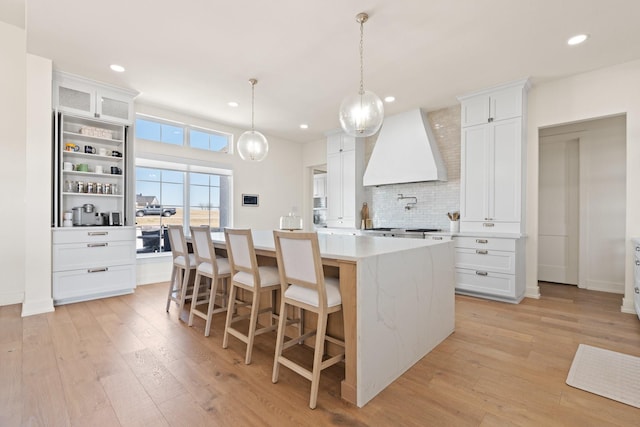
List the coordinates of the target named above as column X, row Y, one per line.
column 397, row 302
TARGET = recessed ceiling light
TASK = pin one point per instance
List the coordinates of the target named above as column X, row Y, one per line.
column 117, row 68
column 577, row 39
column 304, row 126
column 389, row 98
column 232, row 104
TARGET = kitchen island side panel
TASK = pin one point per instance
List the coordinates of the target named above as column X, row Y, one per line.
column 406, row 307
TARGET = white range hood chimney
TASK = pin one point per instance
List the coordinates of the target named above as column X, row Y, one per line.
column 406, row 151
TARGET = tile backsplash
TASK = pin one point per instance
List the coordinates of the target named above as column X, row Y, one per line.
column 435, row 198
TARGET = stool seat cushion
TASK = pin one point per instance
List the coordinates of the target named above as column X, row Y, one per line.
column 180, row 260
column 223, row 267
column 269, row 276
column 310, row 296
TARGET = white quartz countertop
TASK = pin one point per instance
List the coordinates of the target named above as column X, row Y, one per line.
column 342, row 247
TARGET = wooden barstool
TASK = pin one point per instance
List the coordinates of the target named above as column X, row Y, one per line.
column 247, row 275
column 304, row 286
column 216, row 269
column 183, row 263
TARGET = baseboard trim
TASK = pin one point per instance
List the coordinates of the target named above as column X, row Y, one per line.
column 37, row 307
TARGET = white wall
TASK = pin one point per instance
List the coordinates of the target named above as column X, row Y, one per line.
column 37, row 292
column 13, row 119
column 278, row 180
column 606, row 92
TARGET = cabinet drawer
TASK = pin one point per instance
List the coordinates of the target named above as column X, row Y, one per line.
column 496, row 284
column 489, row 227
column 73, row 256
column 79, row 285
column 486, row 260
column 93, row 234
column 489, row 243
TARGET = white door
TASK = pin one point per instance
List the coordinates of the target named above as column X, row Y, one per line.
column 558, row 211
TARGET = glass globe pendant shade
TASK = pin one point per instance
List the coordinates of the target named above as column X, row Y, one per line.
column 361, row 114
column 252, row 145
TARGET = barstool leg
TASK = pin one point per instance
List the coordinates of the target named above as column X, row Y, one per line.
column 317, row 358
column 172, row 284
column 230, row 308
column 253, row 322
column 194, row 298
column 212, row 303
column 282, row 322
column 185, row 285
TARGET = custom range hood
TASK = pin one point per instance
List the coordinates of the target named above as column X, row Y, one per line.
column 406, row 151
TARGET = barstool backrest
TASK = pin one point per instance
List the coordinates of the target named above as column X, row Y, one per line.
column 203, row 246
column 178, row 242
column 299, row 262
column 240, row 251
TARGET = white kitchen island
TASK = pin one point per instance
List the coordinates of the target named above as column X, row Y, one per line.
column 397, row 301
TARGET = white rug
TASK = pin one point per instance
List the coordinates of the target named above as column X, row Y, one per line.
column 606, row 373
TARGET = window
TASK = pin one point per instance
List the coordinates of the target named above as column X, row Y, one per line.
column 163, row 193
column 209, row 140
column 159, row 130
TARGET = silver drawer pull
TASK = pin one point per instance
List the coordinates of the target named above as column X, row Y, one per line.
column 482, row 251
column 437, row 238
column 488, row 224
column 482, row 241
column 482, row 273
column 97, row 245
column 98, row 270
column 97, row 233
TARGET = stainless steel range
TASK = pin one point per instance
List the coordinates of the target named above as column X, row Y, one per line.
column 407, row 233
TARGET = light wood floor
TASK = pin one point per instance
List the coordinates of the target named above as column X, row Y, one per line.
column 124, row 362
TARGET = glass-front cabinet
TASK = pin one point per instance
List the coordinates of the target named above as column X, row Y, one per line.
column 81, row 97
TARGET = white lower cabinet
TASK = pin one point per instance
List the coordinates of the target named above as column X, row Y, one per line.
column 636, row 275
column 93, row 262
column 490, row 267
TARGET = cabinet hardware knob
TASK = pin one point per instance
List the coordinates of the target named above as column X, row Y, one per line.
column 637, row 262
column 482, row 241
column 637, row 290
column 97, row 233
column 490, row 119
column 482, row 273
column 637, row 248
column 481, row 251
column 97, row 245
column 98, row 270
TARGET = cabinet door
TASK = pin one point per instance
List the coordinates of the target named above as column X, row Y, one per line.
column 475, row 110
column 114, row 107
column 349, row 188
column 505, row 171
column 334, row 143
column 506, row 103
column 76, row 98
column 334, row 188
column 474, row 173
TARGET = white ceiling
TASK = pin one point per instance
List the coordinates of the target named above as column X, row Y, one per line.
column 195, row 56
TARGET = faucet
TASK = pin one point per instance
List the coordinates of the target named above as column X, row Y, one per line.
column 410, row 204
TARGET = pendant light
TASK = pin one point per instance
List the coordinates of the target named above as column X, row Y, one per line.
column 252, row 145
column 361, row 114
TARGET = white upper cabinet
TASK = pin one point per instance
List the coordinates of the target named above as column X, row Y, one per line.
column 345, row 193
column 82, row 97
column 500, row 104
column 492, row 185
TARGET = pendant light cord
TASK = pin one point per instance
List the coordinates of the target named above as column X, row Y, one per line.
column 253, row 85
column 361, row 92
